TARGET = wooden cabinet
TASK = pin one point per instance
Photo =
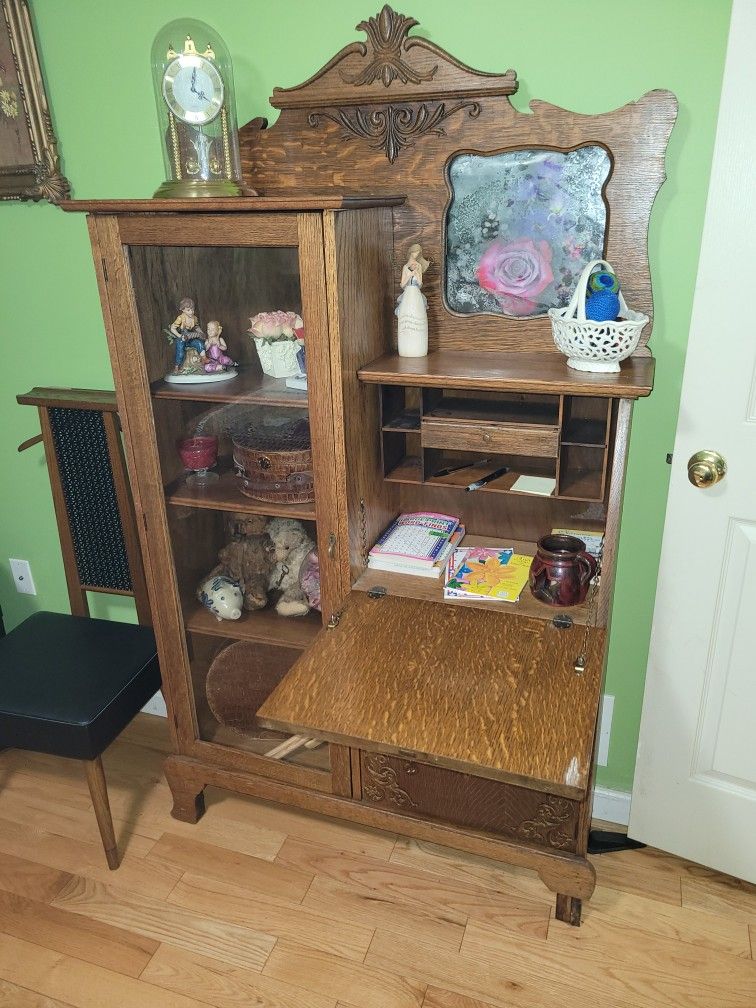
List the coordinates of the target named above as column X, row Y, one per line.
column 233, row 267
column 460, row 723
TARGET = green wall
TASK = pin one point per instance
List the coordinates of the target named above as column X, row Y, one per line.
column 574, row 53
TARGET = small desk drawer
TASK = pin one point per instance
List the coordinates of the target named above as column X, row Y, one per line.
column 506, row 438
column 433, row 792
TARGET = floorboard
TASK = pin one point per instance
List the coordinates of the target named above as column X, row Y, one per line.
column 277, row 908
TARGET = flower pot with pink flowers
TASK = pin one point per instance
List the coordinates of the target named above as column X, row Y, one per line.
column 279, row 339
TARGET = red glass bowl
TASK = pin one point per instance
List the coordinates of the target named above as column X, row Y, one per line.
column 199, row 452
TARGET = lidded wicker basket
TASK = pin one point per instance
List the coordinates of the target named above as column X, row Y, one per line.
column 595, row 346
column 273, row 455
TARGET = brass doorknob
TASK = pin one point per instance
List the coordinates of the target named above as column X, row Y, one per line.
column 706, row 468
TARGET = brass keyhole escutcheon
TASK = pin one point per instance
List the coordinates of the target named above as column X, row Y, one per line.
column 706, row 468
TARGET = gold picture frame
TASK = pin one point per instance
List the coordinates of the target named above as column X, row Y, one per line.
column 29, row 161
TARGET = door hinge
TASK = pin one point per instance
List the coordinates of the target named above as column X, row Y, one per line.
column 377, row 591
column 335, row 619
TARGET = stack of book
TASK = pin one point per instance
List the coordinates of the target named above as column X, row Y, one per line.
column 486, row 572
column 418, row 543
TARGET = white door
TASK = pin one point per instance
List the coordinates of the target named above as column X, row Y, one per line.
column 695, row 780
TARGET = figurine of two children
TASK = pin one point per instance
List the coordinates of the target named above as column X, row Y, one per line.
column 211, row 357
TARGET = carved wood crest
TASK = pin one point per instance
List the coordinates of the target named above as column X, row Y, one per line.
column 385, row 116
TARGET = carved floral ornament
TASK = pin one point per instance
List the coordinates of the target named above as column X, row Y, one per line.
column 544, row 825
column 387, row 33
column 393, row 127
column 381, row 783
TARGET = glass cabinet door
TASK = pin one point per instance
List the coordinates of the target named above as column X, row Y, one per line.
column 243, row 473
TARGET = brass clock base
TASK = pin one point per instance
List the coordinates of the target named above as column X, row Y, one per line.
column 187, row 188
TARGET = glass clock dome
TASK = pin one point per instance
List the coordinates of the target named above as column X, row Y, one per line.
column 194, row 91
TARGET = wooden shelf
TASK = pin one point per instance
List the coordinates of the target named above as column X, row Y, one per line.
column 587, row 433
column 231, row 204
column 248, row 387
column 406, row 422
column 584, row 485
column 496, row 411
column 432, row 589
column 510, row 372
column 263, row 625
column 224, row 495
column 409, row 471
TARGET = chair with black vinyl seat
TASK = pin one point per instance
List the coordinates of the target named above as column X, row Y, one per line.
column 69, row 684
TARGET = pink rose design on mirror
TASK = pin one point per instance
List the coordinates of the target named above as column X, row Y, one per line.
column 516, row 273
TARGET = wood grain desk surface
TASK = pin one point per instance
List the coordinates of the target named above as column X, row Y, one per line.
column 484, row 692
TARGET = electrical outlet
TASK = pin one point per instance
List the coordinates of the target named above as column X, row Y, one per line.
column 22, row 576
column 605, row 729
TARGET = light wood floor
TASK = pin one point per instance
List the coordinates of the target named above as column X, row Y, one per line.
column 258, row 905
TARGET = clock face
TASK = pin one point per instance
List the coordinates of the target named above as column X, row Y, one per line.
column 193, row 89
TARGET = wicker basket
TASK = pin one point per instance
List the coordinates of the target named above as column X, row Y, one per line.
column 283, row 477
column 273, row 457
column 241, row 677
column 595, row 346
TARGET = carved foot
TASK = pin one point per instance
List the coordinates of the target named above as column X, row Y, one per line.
column 187, row 807
column 188, row 793
column 568, row 909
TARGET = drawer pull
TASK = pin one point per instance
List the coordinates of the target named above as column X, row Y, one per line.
column 410, row 768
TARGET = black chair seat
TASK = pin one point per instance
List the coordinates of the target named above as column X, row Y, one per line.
column 70, row 684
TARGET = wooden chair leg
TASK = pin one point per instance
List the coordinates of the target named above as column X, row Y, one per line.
column 98, row 789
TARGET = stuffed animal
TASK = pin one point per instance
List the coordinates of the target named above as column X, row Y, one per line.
column 248, row 559
column 291, row 546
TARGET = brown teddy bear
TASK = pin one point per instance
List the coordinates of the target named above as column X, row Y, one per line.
column 249, row 559
column 291, row 545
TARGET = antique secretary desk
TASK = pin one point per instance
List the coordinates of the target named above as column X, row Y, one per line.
column 469, row 726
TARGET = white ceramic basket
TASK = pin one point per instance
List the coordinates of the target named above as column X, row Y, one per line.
column 595, row 346
column 279, row 359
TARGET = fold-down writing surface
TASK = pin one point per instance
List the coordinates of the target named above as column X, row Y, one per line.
column 486, row 692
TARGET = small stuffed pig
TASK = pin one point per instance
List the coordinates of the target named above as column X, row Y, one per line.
column 222, row 596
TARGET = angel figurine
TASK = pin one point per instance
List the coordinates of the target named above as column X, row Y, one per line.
column 215, row 349
column 411, row 307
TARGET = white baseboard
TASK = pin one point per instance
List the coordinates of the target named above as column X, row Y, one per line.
column 156, row 706
column 611, row 806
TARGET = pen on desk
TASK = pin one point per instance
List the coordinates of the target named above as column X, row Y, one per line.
column 488, row 479
column 465, row 465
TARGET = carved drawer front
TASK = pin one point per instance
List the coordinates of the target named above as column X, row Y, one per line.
column 506, row 438
column 433, row 792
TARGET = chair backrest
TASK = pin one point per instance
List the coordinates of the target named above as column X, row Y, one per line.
column 90, row 488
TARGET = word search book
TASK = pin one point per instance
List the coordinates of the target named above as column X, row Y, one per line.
column 420, row 537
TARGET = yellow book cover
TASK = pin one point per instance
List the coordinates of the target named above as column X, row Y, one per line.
column 485, row 572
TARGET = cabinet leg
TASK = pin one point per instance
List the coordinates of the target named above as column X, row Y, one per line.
column 188, row 793
column 188, row 805
column 568, row 909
